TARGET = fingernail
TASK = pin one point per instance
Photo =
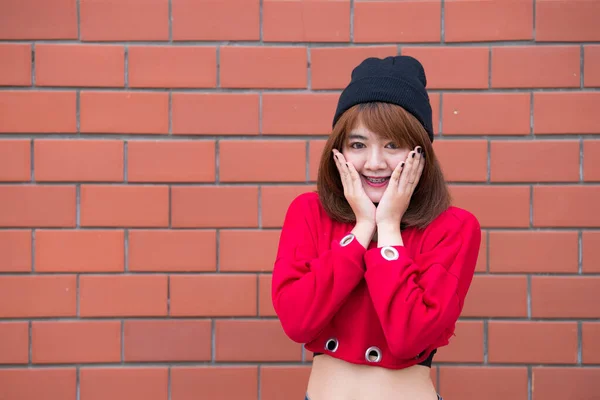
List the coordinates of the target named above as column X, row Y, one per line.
column 402, row 165
column 413, row 155
column 418, row 149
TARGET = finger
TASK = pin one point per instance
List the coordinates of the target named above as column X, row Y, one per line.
column 420, row 169
column 416, row 156
column 354, row 176
column 405, row 177
column 395, row 178
column 343, row 169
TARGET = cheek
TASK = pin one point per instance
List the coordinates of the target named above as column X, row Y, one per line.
column 355, row 160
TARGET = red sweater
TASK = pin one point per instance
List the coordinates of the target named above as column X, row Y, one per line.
column 405, row 307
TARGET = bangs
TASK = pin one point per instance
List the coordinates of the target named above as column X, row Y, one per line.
column 390, row 121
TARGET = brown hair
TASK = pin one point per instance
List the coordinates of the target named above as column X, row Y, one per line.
column 431, row 196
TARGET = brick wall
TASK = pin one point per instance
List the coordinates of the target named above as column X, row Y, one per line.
column 148, row 152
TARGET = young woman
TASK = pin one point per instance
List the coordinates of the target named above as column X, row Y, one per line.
column 372, row 270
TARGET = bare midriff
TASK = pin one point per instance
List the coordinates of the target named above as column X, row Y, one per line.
column 334, row 379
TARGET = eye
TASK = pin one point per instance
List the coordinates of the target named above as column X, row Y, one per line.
column 391, row 145
column 357, row 145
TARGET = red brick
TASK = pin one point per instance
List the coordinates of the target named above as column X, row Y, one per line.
column 15, row 160
column 331, row 67
column 262, row 341
column 487, row 297
column 275, row 201
column 37, row 206
column 17, row 72
column 315, row 152
column 124, row 20
column 173, row 161
column 210, row 207
column 124, row 112
column 591, row 66
column 566, row 113
column 215, row 295
column 215, row 382
column 453, row 67
column 14, row 346
column 462, row 160
column 211, row 113
column 167, row 340
column 591, row 160
column 490, row 383
column 265, row 304
column 566, row 21
column 44, row 383
column 435, row 100
column 281, row 382
column 581, row 302
column 534, row 252
column 532, row 342
column 116, row 206
column 38, row 19
column 55, row 342
column 38, row 296
column 37, row 112
column 591, row 342
column 79, row 65
column 172, row 250
column 494, row 206
column 173, row 67
column 298, row 114
column 554, row 383
column 566, row 206
column 146, row 383
column 534, row 161
column 591, row 252
column 262, row 161
column 466, row 346
column 535, row 67
column 67, row 160
column 486, row 114
column 248, row 250
column 123, row 295
column 319, row 21
column 15, row 251
column 483, row 21
column 216, row 21
column 388, row 21
column 263, row 67
column 79, row 251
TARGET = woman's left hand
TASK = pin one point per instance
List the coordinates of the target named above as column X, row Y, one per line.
column 402, row 184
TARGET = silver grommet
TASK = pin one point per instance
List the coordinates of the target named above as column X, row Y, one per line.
column 373, row 354
column 332, row 345
column 389, row 253
column 347, row 239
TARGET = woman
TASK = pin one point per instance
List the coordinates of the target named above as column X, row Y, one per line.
column 372, row 270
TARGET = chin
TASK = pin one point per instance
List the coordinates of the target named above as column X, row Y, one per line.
column 374, row 195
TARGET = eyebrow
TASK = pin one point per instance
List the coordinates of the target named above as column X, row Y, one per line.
column 357, row 136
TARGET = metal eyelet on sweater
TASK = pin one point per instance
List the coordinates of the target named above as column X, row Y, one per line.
column 332, row 345
column 346, row 240
column 373, row 354
column 389, row 253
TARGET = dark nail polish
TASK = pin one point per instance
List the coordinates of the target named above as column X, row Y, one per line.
column 419, row 150
column 402, row 165
column 413, row 155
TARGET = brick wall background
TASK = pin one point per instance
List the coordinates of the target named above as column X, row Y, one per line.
column 149, row 150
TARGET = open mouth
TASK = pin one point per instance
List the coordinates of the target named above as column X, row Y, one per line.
column 376, row 181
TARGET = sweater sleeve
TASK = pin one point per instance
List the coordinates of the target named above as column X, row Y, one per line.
column 308, row 287
column 419, row 299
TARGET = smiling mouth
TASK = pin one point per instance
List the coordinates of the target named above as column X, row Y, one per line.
column 377, row 182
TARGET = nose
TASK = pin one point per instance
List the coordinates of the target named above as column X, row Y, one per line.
column 375, row 160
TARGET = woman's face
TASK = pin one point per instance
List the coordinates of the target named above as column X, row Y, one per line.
column 374, row 157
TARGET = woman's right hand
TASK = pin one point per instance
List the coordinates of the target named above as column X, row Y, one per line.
column 362, row 206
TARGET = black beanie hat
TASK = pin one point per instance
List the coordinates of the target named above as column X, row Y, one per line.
column 398, row 80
